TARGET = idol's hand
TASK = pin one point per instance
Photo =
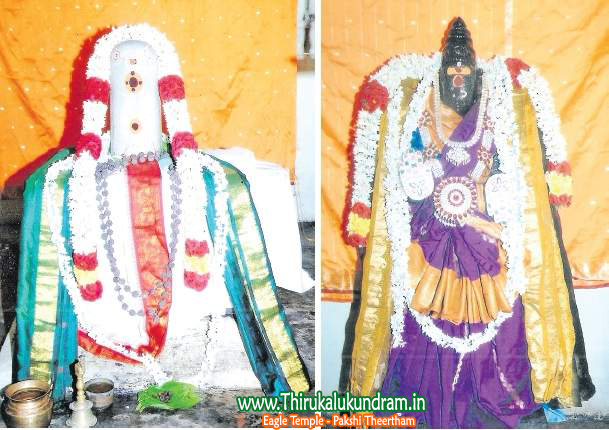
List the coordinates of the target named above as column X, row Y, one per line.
column 489, row 228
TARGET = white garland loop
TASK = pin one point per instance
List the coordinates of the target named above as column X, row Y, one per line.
column 83, row 211
column 201, row 161
column 64, row 260
column 364, row 154
column 94, row 114
column 547, row 119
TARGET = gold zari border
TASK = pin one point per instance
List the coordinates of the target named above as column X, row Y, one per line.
column 260, row 277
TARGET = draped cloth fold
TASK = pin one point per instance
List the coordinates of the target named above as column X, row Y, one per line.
column 263, row 326
column 152, row 256
column 442, row 294
column 259, row 289
column 548, row 319
column 151, row 252
column 487, row 388
column 372, row 332
column 46, row 327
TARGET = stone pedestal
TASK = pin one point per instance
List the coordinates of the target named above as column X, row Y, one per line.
column 217, row 348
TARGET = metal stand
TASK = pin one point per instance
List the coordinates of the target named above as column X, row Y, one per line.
column 81, row 408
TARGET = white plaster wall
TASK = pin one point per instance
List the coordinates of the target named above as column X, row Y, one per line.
column 333, row 319
column 593, row 305
column 305, row 145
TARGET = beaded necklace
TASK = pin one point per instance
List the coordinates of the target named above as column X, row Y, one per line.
column 162, row 288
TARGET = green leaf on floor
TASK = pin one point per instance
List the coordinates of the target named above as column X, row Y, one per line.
column 171, row 395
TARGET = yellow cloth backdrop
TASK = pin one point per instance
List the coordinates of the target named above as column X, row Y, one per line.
column 238, row 64
column 565, row 40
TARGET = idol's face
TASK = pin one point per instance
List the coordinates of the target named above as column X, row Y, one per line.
column 458, row 79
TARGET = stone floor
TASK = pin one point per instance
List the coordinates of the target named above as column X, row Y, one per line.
column 576, row 421
column 218, row 408
column 537, row 420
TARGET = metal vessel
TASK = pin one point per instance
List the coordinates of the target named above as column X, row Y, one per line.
column 28, row 403
column 101, row 392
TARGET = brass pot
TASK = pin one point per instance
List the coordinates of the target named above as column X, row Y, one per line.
column 101, row 392
column 28, row 404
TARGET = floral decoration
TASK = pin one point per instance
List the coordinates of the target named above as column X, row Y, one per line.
column 89, row 142
column 91, row 292
column 372, row 96
column 171, row 88
column 501, row 124
column 196, row 271
column 97, row 90
column 182, row 140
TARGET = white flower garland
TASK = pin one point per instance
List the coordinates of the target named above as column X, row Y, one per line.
column 188, row 166
column 397, row 209
column 547, row 120
column 82, row 205
column 64, row 260
column 99, row 65
column 83, row 210
column 368, row 126
column 94, row 114
column 501, row 113
column 201, row 161
column 193, row 191
column 364, row 155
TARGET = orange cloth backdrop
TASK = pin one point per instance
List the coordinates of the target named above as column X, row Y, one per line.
column 238, row 64
column 567, row 41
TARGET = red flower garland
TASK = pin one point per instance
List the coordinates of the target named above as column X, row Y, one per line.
column 182, row 140
column 356, row 240
column 171, row 87
column 371, row 96
column 515, row 66
column 361, row 209
column 196, row 247
column 97, row 90
column 562, row 200
column 563, row 167
column 91, row 292
column 85, row 261
column 195, row 281
column 89, row 142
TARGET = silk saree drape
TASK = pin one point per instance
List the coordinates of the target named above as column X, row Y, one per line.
column 547, row 314
column 47, row 325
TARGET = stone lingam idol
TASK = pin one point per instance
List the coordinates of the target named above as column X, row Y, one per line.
column 135, row 244
column 458, row 166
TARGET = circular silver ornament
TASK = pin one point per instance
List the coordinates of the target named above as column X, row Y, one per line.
column 454, row 199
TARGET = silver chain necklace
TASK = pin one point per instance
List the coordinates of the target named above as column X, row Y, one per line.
column 162, row 288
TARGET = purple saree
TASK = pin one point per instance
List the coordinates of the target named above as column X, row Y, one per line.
column 459, row 279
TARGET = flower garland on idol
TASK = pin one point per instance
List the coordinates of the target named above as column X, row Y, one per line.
column 89, row 212
column 558, row 171
column 382, row 92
